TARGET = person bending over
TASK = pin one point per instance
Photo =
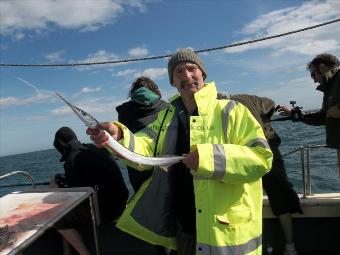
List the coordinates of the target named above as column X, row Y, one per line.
column 86, row 165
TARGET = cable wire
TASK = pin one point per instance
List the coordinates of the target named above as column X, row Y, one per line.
column 169, row 55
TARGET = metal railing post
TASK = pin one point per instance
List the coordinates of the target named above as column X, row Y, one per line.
column 302, row 152
column 309, row 180
column 338, row 162
column 95, row 220
column 22, row 173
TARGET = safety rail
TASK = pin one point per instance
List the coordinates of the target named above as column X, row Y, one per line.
column 305, row 166
column 22, row 173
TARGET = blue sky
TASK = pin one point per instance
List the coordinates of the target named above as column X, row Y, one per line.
column 63, row 31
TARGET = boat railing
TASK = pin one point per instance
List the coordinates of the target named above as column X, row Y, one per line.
column 20, row 173
column 306, row 166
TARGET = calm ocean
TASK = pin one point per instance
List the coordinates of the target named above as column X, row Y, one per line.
column 42, row 164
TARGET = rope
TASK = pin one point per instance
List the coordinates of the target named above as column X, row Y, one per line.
column 311, row 146
column 169, row 55
column 290, row 152
column 24, row 184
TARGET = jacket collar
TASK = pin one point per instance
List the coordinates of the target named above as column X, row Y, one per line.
column 323, row 87
column 204, row 98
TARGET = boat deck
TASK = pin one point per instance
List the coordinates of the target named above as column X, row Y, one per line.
column 321, row 213
column 316, row 231
column 313, row 206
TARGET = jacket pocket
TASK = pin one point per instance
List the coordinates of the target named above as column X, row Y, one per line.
column 234, row 218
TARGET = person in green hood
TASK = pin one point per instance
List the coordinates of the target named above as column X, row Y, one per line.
column 142, row 109
column 137, row 113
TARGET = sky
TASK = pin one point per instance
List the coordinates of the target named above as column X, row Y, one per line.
column 80, row 31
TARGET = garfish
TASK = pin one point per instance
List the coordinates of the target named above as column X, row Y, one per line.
column 112, row 144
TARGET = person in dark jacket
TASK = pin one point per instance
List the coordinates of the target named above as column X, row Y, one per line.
column 137, row 113
column 88, row 166
column 324, row 70
column 143, row 107
column 282, row 197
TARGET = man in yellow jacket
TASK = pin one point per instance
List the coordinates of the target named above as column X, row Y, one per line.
column 211, row 202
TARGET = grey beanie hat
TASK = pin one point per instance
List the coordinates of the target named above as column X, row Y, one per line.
column 184, row 55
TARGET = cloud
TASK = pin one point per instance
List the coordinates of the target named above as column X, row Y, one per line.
column 18, row 36
column 39, row 98
column 99, row 56
column 323, row 39
column 299, row 90
column 310, row 47
column 19, row 17
column 104, row 56
column 138, row 52
column 125, row 73
column 8, row 101
column 97, row 105
column 87, row 90
column 61, row 111
column 152, row 73
column 54, row 56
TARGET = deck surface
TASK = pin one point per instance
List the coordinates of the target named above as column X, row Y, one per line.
column 316, row 232
column 313, row 206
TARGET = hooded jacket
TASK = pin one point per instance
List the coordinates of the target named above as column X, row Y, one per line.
column 262, row 108
column 88, row 166
column 281, row 195
column 141, row 110
column 136, row 114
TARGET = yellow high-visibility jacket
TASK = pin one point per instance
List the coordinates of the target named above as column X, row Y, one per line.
column 233, row 156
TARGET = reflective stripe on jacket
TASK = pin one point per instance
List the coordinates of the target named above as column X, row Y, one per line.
column 233, row 156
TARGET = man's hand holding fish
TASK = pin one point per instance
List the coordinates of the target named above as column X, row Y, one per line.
column 100, row 137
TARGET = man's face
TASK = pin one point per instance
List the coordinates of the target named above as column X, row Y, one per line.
column 188, row 79
column 317, row 73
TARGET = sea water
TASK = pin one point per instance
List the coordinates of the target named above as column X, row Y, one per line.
column 43, row 164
